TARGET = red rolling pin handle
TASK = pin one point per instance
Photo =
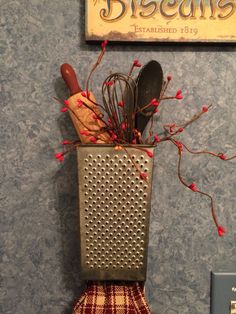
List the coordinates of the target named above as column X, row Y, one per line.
column 69, row 76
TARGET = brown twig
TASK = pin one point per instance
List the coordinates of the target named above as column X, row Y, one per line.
column 196, row 191
column 207, row 153
column 183, row 125
column 135, row 165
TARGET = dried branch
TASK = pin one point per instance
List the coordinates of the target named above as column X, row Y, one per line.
column 194, row 189
column 219, row 155
column 183, row 125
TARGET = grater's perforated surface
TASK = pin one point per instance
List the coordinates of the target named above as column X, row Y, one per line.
column 114, row 210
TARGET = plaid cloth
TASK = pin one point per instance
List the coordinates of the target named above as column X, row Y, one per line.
column 112, row 298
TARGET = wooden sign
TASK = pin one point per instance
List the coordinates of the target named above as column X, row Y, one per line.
column 161, row 20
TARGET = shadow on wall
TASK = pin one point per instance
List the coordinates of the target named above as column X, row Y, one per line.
column 65, row 189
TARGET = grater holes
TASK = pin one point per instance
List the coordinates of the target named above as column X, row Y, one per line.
column 119, row 238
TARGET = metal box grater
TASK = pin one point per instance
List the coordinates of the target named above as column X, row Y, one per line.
column 114, row 205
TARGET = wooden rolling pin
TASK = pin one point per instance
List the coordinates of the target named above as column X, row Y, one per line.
column 83, row 118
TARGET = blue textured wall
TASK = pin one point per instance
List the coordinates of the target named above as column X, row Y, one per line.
column 39, row 250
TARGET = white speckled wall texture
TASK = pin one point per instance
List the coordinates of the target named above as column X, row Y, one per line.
column 39, row 249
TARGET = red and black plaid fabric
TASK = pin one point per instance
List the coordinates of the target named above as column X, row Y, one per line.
column 112, row 298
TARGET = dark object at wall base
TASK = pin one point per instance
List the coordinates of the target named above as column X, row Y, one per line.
column 223, row 291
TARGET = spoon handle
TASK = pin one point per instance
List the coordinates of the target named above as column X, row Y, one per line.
column 69, row 76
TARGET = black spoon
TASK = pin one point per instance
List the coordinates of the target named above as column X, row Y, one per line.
column 149, row 84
